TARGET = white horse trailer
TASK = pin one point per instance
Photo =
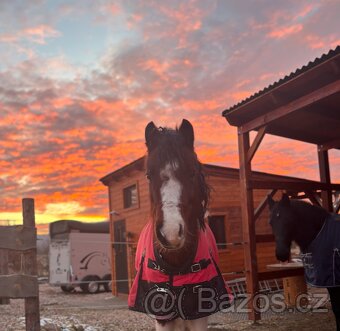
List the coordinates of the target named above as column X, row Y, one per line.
column 79, row 255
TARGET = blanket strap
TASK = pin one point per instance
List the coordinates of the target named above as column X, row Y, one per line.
column 196, row 267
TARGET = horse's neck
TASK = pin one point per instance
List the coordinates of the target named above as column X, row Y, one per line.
column 310, row 222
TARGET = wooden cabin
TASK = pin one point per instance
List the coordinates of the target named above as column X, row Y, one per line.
column 129, row 206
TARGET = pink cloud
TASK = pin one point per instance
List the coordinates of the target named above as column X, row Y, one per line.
column 315, row 41
column 40, row 33
column 308, row 9
column 36, row 34
column 282, row 32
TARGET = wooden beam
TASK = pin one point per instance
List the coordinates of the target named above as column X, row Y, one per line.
column 274, row 274
column 329, row 145
column 256, row 143
column 25, row 238
column 32, row 308
column 248, row 226
column 263, row 205
column 112, row 252
column 3, row 271
column 292, row 185
column 276, row 97
column 335, row 66
column 297, row 104
column 18, row 286
column 265, row 238
column 325, row 177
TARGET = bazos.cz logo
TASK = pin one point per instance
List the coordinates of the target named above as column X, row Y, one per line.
column 164, row 303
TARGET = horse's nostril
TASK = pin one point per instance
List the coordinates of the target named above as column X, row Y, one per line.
column 180, row 232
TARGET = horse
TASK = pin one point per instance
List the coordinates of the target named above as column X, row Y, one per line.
column 317, row 233
column 178, row 281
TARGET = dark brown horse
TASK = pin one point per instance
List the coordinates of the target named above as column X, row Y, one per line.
column 176, row 254
column 317, row 232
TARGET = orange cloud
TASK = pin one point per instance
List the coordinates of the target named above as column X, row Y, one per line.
column 158, row 67
column 62, row 102
column 199, row 105
column 238, row 96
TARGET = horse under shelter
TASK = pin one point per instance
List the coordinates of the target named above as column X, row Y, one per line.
column 129, row 205
column 303, row 106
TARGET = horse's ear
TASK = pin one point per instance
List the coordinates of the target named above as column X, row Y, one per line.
column 151, row 133
column 187, row 132
column 270, row 201
column 285, row 200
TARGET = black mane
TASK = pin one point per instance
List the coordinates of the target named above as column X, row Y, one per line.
column 309, row 210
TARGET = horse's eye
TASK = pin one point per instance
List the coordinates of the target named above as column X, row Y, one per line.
column 147, row 175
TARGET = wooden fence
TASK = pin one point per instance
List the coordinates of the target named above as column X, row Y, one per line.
column 18, row 265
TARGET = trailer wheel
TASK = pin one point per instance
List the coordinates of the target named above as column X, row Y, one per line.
column 91, row 284
column 67, row 288
column 107, row 283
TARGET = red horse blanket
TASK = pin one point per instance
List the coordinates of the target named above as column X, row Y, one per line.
column 198, row 290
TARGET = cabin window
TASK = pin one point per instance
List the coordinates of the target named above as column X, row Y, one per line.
column 217, row 226
column 130, row 196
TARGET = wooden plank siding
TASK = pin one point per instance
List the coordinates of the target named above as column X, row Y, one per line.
column 232, row 259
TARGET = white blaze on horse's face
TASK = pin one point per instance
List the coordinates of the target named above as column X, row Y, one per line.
column 171, row 190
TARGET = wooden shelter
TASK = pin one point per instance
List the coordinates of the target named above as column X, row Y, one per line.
column 129, row 206
column 303, row 106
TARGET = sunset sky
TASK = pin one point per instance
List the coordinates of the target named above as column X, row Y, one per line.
column 79, row 80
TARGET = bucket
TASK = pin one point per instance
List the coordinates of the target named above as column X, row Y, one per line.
column 295, row 291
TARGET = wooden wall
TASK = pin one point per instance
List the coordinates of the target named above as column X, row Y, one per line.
column 225, row 200
column 136, row 217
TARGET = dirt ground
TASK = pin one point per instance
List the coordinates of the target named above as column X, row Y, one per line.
column 103, row 312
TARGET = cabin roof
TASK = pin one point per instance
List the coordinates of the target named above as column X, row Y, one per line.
column 210, row 169
column 123, row 171
column 302, row 106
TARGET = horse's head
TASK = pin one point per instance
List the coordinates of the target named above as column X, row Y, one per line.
column 282, row 221
column 178, row 191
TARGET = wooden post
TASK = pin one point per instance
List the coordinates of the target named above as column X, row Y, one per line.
column 4, row 271
column 248, row 225
column 325, row 178
column 112, row 251
column 32, row 313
